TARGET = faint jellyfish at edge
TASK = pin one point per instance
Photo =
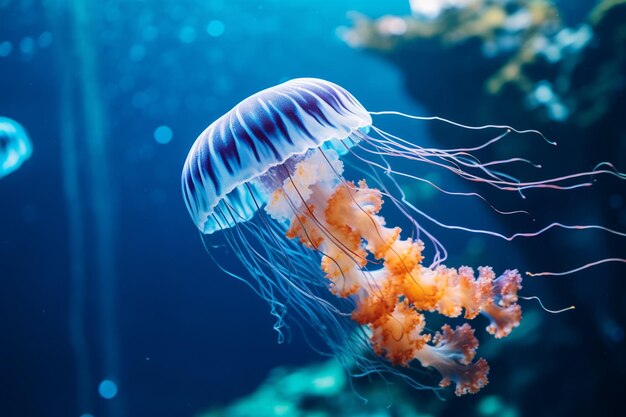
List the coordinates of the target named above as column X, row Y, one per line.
column 15, row 146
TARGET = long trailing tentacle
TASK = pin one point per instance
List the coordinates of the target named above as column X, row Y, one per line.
column 466, row 165
column 580, row 268
column 441, row 119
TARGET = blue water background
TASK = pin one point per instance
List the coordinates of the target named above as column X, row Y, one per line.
column 187, row 336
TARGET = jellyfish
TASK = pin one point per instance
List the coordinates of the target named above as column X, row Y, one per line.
column 15, row 146
column 269, row 182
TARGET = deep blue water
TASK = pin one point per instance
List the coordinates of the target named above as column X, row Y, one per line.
column 176, row 334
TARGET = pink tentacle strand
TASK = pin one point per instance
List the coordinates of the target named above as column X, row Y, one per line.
column 573, row 271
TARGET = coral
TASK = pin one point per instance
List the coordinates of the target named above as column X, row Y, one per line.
column 525, row 51
column 322, row 390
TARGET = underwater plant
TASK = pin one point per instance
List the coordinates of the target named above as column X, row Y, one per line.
column 268, row 181
column 15, row 146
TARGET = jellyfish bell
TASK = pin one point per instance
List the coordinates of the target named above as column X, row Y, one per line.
column 15, row 146
column 280, row 124
column 268, row 178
